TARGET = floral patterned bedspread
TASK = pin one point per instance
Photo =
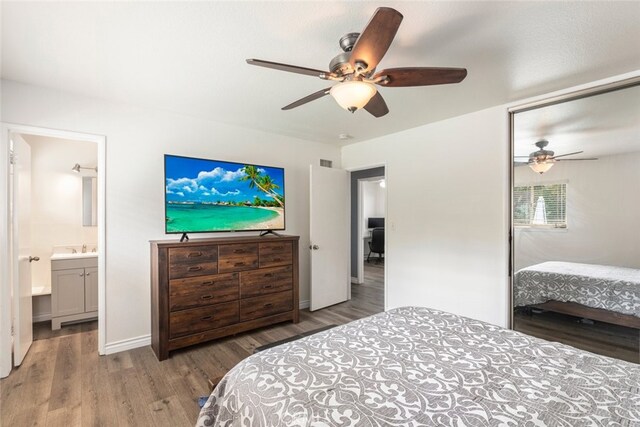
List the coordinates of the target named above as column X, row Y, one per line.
column 599, row 286
column 415, row 367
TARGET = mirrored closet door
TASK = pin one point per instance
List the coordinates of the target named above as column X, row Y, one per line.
column 576, row 220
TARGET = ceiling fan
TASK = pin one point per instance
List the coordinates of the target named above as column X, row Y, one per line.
column 355, row 68
column 542, row 160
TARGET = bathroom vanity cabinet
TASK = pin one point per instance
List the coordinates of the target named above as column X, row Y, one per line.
column 74, row 290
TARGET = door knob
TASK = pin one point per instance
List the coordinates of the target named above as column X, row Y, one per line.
column 34, row 258
column 314, row 247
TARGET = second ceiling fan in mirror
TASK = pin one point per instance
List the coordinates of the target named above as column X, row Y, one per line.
column 542, row 160
column 354, row 70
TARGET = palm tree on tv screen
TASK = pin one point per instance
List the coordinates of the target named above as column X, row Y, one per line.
column 263, row 182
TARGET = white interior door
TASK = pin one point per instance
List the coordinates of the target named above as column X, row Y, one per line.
column 330, row 278
column 21, row 242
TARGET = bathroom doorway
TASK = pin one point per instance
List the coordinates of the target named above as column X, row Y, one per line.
column 55, row 237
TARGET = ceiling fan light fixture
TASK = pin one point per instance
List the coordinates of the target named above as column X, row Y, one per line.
column 541, row 166
column 353, row 95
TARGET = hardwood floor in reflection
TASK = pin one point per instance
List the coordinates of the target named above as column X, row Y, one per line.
column 601, row 338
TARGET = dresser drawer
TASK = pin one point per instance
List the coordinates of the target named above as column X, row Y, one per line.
column 273, row 254
column 201, row 319
column 239, row 249
column 243, row 256
column 254, row 308
column 273, row 260
column 269, row 248
column 203, row 290
column 266, row 281
column 193, row 254
column 192, row 269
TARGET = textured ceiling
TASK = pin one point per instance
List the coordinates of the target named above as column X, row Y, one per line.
column 189, row 57
column 599, row 125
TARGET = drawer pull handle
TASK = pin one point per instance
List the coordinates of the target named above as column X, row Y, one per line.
column 238, row 251
column 206, row 296
column 277, row 248
column 268, row 275
column 195, row 268
column 267, row 305
column 277, row 259
column 208, row 282
column 238, row 264
column 267, row 287
column 194, row 254
column 206, row 318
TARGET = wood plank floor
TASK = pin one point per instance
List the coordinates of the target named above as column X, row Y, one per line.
column 63, row 381
column 601, row 338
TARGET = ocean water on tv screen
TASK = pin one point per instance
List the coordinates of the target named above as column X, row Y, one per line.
column 185, row 218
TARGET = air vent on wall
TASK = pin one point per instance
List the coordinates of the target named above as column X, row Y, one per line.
column 326, row 163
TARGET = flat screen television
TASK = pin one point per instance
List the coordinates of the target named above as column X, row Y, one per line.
column 204, row 196
column 375, row 223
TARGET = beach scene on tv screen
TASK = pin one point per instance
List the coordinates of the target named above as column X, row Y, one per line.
column 209, row 195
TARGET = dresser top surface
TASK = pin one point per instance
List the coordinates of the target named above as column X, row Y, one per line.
column 223, row 240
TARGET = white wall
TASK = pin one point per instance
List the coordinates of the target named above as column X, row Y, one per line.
column 373, row 201
column 56, row 200
column 603, row 211
column 137, row 138
column 447, row 217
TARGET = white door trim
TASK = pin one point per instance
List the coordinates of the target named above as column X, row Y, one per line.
column 5, row 285
column 5, row 263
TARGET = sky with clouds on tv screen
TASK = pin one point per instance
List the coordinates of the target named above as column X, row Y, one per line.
column 200, row 180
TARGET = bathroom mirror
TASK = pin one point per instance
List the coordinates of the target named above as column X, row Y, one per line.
column 575, row 209
column 89, row 201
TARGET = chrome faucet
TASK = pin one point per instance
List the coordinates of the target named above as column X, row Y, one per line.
column 84, row 249
column 73, row 250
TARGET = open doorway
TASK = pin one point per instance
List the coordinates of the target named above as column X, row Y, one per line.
column 54, row 236
column 368, row 212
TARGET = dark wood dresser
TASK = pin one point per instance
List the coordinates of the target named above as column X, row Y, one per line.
column 211, row 288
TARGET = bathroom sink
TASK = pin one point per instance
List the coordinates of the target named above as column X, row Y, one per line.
column 74, row 256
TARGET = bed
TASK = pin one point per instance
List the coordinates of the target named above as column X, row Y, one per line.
column 417, row 366
column 598, row 292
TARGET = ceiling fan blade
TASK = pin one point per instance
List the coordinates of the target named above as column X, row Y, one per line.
column 568, row 154
column 375, row 39
column 308, row 98
column 516, row 164
column 566, row 160
column 421, row 76
column 289, row 68
column 376, row 106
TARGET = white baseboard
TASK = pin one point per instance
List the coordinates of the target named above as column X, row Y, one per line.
column 304, row 304
column 128, row 344
column 42, row 317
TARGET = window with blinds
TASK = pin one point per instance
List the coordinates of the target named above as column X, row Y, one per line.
column 540, row 206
